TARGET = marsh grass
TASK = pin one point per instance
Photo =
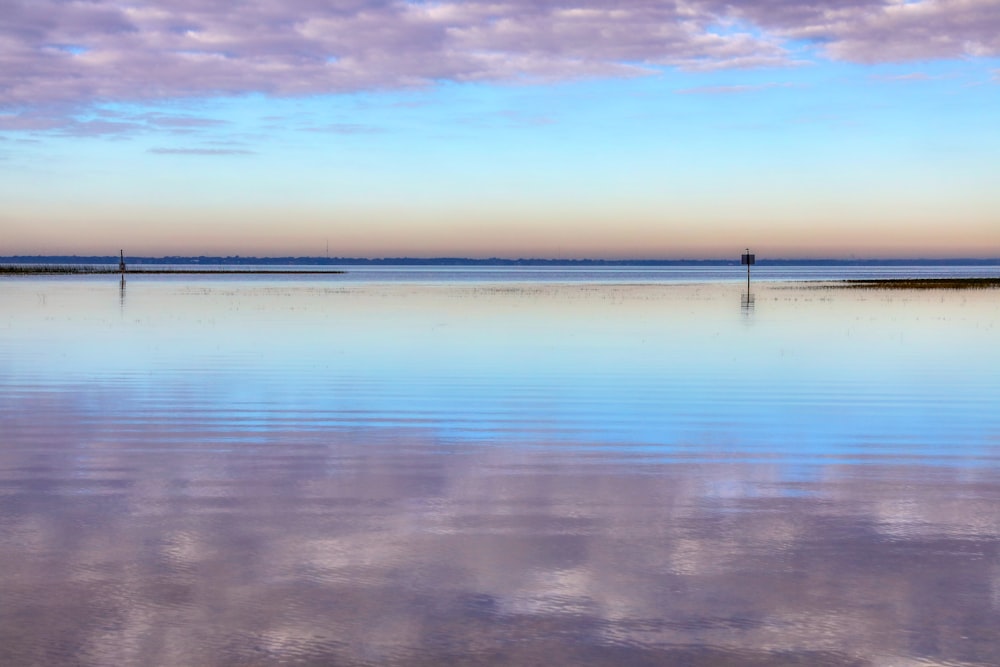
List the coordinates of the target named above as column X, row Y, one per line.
column 52, row 270
column 56, row 270
column 922, row 283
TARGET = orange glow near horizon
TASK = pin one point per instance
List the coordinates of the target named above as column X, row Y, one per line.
column 366, row 229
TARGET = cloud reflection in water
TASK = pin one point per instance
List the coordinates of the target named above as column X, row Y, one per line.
column 252, row 474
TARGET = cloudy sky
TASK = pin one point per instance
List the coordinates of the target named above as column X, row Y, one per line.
column 512, row 128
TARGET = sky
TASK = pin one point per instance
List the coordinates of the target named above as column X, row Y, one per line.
column 515, row 128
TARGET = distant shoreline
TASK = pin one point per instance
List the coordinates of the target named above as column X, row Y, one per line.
column 111, row 261
column 50, row 270
column 952, row 283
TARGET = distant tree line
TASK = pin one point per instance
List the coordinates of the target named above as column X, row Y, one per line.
column 236, row 260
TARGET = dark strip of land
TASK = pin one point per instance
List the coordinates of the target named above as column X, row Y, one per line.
column 41, row 270
column 227, row 272
column 174, row 260
column 923, row 283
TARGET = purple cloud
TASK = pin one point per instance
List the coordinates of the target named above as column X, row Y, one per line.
column 200, row 151
column 21, row 122
column 79, row 54
column 65, row 125
column 731, row 90
column 179, row 122
column 912, row 76
column 879, row 31
column 345, row 128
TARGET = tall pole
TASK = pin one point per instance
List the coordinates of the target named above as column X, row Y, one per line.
column 121, row 262
column 747, row 259
column 748, row 272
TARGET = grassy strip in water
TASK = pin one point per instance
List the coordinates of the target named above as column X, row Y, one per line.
column 229, row 272
column 923, row 283
column 51, row 270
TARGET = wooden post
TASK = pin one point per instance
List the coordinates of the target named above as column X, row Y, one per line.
column 121, row 263
column 748, row 258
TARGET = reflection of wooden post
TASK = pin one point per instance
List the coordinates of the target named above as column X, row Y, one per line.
column 121, row 263
column 747, row 259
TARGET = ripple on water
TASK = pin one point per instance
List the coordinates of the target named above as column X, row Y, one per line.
column 431, row 473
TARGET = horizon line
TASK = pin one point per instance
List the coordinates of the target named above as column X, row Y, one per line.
column 482, row 260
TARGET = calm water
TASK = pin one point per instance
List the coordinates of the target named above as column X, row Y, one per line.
column 413, row 468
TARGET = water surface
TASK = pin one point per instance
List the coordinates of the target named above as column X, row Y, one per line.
column 606, row 470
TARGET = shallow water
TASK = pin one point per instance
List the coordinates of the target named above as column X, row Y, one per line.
column 243, row 471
